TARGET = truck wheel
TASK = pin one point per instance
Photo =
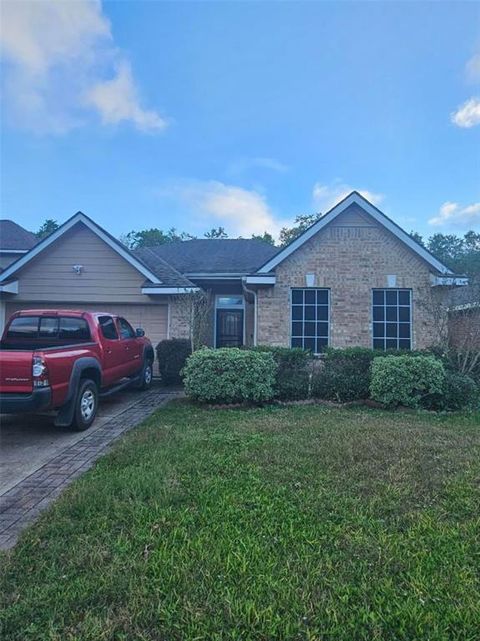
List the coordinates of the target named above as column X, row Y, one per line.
column 86, row 405
column 146, row 376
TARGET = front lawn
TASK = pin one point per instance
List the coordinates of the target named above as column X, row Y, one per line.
column 299, row 523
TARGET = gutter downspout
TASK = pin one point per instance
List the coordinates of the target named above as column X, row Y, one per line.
column 255, row 315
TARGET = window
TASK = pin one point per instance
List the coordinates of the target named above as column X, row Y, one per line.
column 310, row 318
column 48, row 327
column 107, row 327
column 229, row 301
column 392, row 319
column 23, row 327
column 126, row 330
column 75, row 329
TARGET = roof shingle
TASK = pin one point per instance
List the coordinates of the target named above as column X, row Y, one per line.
column 15, row 237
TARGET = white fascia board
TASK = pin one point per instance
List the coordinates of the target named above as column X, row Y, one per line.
column 455, row 281
column 355, row 198
column 259, row 280
column 169, row 290
column 13, row 251
column 9, row 288
column 115, row 245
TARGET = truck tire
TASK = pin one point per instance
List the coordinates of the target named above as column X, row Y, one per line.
column 146, row 376
column 86, row 405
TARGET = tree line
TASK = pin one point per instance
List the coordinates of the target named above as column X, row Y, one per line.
column 460, row 253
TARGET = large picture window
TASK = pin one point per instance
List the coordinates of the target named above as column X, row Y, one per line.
column 392, row 319
column 310, row 318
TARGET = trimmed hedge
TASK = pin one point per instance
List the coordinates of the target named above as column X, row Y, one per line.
column 230, row 375
column 292, row 380
column 403, row 380
column 345, row 375
column 172, row 355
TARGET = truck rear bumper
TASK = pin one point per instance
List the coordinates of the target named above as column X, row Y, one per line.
column 38, row 400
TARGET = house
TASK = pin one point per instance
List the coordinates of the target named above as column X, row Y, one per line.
column 353, row 278
column 14, row 242
column 464, row 317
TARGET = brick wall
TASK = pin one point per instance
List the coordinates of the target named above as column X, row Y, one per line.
column 350, row 256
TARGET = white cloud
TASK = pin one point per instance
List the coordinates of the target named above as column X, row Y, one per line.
column 326, row 196
column 242, row 165
column 457, row 216
column 241, row 211
column 472, row 68
column 58, row 54
column 468, row 114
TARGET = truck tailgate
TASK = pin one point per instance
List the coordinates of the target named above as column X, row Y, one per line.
column 16, row 371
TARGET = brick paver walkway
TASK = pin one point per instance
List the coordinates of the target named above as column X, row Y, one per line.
column 24, row 502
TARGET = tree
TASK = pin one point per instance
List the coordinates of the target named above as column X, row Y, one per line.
column 216, row 232
column 152, row 237
column 47, row 228
column 301, row 223
column 194, row 309
column 265, row 238
column 462, row 255
column 417, row 237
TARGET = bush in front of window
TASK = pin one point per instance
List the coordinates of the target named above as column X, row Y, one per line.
column 345, row 375
column 230, row 375
column 172, row 355
column 292, row 381
column 403, row 380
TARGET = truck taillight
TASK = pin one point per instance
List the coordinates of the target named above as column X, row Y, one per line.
column 39, row 372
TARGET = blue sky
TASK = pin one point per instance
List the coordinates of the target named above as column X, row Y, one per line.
column 193, row 115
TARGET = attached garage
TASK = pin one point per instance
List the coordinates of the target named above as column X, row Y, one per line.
column 80, row 266
column 152, row 318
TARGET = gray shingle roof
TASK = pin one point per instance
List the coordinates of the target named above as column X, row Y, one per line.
column 213, row 256
column 169, row 276
column 15, row 237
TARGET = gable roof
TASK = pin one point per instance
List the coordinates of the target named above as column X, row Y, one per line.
column 213, row 256
column 15, row 238
column 151, row 275
column 354, row 198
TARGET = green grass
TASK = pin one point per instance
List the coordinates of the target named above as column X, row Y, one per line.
column 299, row 523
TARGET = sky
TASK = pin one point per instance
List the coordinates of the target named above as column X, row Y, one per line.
column 195, row 115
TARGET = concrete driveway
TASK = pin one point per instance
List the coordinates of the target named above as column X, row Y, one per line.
column 28, row 441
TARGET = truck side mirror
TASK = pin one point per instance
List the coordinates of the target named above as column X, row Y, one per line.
column 139, row 332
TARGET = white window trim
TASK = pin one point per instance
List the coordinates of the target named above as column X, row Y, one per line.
column 305, row 289
column 394, row 289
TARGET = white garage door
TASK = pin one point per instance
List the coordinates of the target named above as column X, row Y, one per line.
column 152, row 318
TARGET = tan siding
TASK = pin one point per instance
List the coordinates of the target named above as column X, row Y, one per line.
column 152, row 318
column 106, row 276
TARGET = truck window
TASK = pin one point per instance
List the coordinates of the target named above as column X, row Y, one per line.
column 23, row 327
column 74, row 329
column 48, row 327
column 126, row 330
column 107, row 327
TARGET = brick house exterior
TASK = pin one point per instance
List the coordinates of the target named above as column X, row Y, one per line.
column 353, row 278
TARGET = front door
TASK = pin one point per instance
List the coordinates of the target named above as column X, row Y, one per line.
column 229, row 328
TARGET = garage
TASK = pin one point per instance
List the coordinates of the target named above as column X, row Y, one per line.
column 152, row 318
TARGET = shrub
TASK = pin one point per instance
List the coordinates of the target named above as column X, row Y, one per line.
column 345, row 375
column 292, row 380
column 230, row 375
column 403, row 380
column 172, row 355
column 460, row 392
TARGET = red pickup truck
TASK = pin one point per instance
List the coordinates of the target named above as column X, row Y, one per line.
column 65, row 360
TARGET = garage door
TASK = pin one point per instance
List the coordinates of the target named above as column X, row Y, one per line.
column 152, row 318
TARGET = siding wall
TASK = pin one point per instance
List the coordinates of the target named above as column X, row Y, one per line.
column 350, row 256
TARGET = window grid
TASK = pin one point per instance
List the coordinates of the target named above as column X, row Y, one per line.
column 392, row 319
column 310, row 318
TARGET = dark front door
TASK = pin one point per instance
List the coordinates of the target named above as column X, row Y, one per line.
column 229, row 328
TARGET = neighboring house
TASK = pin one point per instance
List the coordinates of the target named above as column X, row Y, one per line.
column 352, row 278
column 14, row 242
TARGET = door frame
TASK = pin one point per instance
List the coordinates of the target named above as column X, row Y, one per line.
column 237, row 307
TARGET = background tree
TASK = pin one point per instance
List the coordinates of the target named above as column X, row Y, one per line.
column 152, row 237
column 462, row 255
column 300, row 224
column 47, row 228
column 265, row 237
column 216, row 232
